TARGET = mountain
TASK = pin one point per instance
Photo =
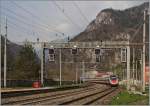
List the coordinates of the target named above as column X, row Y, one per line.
column 115, row 25
column 110, row 25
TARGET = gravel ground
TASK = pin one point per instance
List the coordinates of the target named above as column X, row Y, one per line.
column 107, row 99
column 90, row 99
column 13, row 99
column 77, row 95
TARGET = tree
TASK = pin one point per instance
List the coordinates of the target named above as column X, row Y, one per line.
column 26, row 64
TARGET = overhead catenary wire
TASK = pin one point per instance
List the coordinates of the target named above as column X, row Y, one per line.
column 14, row 26
column 36, row 17
column 136, row 32
column 22, row 27
column 139, row 26
column 66, row 15
column 26, row 23
column 20, row 19
column 82, row 14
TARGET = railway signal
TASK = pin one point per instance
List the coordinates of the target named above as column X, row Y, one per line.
column 98, row 58
column 51, row 51
column 74, row 50
column 123, row 55
column 51, row 55
column 97, row 51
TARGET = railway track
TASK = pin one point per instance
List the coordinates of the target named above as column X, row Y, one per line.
column 105, row 100
column 77, row 98
column 29, row 99
column 80, row 96
column 42, row 101
column 88, row 99
column 16, row 93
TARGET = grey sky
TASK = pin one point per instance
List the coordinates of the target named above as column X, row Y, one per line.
column 43, row 19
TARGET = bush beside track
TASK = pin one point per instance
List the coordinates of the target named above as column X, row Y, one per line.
column 126, row 98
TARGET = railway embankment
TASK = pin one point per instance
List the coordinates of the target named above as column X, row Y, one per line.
column 130, row 98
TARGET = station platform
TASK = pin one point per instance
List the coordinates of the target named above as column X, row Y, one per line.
column 3, row 90
column 7, row 90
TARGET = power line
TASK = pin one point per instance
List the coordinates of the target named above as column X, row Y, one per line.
column 22, row 29
column 26, row 23
column 66, row 15
column 85, row 18
column 35, row 17
column 15, row 26
column 18, row 20
column 140, row 26
column 137, row 28
column 18, row 26
column 12, row 12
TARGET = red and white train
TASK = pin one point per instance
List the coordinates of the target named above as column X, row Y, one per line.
column 113, row 80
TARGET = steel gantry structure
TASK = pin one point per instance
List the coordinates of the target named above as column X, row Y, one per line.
column 89, row 45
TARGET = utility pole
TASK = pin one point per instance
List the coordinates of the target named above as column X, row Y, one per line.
column 0, row 45
column 83, row 70
column 42, row 63
column 5, row 56
column 128, row 67
column 39, row 46
column 0, row 55
column 133, row 64
column 76, row 73
column 60, row 67
column 136, row 72
column 76, row 68
column 123, row 74
column 0, row 52
column 144, row 34
column 141, row 69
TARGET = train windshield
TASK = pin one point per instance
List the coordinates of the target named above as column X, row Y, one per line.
column 113, row 78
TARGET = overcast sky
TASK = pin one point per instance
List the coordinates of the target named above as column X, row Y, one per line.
column 48, row 20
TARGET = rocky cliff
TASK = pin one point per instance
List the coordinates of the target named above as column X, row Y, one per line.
column 115, row 25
